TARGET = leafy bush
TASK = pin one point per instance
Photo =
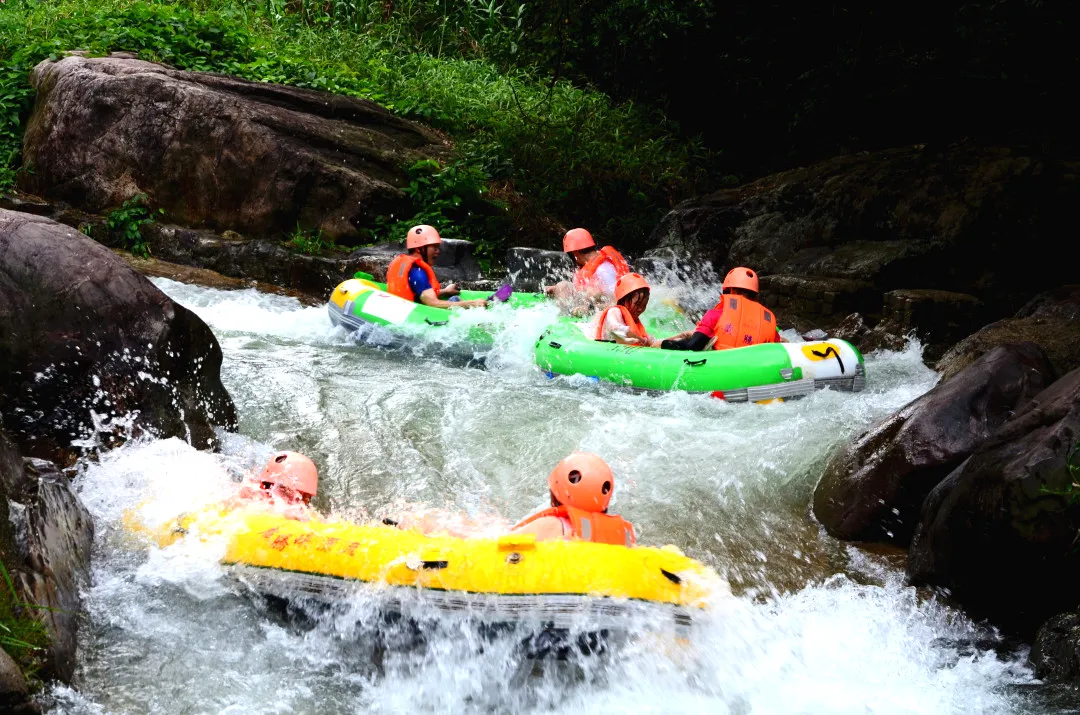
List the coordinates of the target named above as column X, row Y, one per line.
column 125, row 224
column 22, row 635
column 452, row 198
column 310, row 242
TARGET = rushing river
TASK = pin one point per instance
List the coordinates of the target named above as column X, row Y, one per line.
column 815, row 625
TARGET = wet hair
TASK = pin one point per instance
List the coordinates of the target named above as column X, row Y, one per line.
column 745, row 292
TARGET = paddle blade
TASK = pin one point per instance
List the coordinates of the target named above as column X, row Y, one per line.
column 502, row 294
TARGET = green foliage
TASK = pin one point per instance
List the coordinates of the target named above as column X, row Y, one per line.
column 21, row 634
column 453, row 199
column 125, row 224
column 458, row 66
column 310, row 242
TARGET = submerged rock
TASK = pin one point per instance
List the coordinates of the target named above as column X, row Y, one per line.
column 91, row 352
column 217, row 152
column 1055, row 654
column 874, row 488
column 1001, row 531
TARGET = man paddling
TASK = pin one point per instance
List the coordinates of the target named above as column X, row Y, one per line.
column 410, row 275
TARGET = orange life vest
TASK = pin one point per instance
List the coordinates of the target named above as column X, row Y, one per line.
column 743, row 322
column 590, row 525
column 584, row 275
column 397, row 276
column 629, row 319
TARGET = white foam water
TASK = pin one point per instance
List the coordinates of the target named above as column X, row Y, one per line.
column 814, row 626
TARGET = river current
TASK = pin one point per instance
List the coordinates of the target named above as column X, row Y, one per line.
column 814, row 625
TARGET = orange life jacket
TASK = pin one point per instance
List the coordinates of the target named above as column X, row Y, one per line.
column 743, row 322
column 590, row 525
column 628, row 318
column 397, row 276
column 584, row 275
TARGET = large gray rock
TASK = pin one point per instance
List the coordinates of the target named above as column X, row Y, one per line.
column 455, row 263
column 45, row 540
column 91, row 350
column 1000, row 532
column 217, row 152
column 874, row 488
column 14, row 693
column 1051, row 320
column 529, row 268
column 53, row 534
column 966, row 219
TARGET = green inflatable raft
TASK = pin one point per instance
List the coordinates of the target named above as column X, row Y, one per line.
column 755, row 373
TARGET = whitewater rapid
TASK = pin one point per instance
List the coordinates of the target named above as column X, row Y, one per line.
column 815, row 626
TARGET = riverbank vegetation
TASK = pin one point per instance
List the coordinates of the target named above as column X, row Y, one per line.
column 573, row 152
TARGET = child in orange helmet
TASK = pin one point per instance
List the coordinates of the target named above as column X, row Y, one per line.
column 621, row 323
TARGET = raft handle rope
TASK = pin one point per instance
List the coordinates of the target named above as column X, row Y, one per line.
column 673, row 577
column 434, row 565
column 429, row 321
column 555, row 345
column 695, row 363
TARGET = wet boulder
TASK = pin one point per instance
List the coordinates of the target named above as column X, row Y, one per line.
column 966, row 219
column 1055, row 654
column 215, row 151
column 1001, row 531
column 874, row 487
column 91, row 352
column 1051, row 320
column 14, row 692
column 45, row 542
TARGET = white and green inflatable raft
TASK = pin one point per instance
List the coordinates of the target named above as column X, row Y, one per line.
column 756, row 373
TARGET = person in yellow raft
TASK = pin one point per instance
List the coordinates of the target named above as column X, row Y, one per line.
column 598, row 269
column 581, row 486
column 287, row 482
column 410, row 275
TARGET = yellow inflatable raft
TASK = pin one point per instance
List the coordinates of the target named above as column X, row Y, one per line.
column 512, row 577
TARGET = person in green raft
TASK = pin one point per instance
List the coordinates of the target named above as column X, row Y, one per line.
column 410, row 275
column 737, row 321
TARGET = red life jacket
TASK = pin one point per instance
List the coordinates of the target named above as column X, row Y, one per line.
column 743, row 322
column 397, row 276
column 629, row 319
column 585, row 275
column 592, row 526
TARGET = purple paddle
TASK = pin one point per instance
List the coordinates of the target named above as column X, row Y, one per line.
column 502, row 294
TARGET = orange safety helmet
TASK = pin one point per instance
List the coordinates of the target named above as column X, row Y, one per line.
column 577, row 239
column 582, row 481
column 740, row 277
column 292, row 470
column 422, row 235
column 628, row 284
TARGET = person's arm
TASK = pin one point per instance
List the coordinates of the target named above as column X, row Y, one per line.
column 697, row 341
column 623, row 333
column 429, row 298
column 449, row 290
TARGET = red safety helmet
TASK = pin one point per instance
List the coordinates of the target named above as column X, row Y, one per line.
column 577, row 239
column 422, row 235
column 583, row 481
column 291, row 470
column 628, row 284
column 740, row 277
